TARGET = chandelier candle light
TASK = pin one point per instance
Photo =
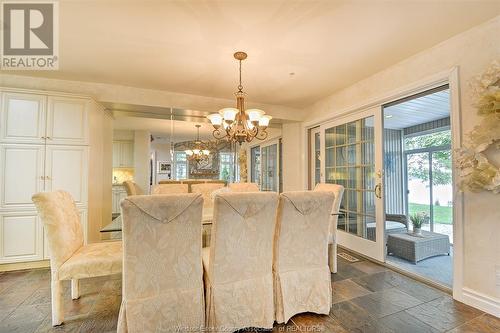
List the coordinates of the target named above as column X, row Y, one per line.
column 198, row 151
column 237, row 124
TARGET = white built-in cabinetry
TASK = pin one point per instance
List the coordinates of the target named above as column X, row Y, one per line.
column 43, row 147
column 119, row 193
column 123, row 154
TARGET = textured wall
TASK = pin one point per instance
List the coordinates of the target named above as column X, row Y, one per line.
column 472, row 51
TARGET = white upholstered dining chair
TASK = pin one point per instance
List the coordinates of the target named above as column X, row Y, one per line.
column 302, row 281
column 132, row 188
column 244, row 187
column 70, row 259
column 338, row 192
column 238, row 265
column 170, row 188
column 162, row 267
column 206, row 190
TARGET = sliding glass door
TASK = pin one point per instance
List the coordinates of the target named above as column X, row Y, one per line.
column 314, row 157
column 429, row 180
column 352, row 152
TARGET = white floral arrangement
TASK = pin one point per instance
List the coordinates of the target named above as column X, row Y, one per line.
column 477, row 172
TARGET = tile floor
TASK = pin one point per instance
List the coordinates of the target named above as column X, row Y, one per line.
column 366, row 298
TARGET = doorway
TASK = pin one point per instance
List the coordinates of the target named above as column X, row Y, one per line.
column 418, row 185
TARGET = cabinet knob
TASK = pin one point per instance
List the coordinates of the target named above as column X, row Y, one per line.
column 48, row 177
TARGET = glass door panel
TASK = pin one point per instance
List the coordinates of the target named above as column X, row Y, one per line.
column 419, row 196
column 350, row 162
column 442, row 193
column 353, row 151
column 269, row 167
column 315, row 157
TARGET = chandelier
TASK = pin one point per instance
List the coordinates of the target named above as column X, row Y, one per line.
column 198, row 151
column 237, row 124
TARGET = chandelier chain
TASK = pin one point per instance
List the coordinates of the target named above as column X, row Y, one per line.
column 240, row 86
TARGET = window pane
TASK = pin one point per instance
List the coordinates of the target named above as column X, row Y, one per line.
column 441, row 138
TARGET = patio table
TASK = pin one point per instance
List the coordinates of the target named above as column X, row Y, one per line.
column 415, row 248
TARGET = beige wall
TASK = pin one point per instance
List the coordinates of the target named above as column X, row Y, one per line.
column 141, row 159
column 162, row 153
column 100, row 171
column 472, row 52
column 292, row 156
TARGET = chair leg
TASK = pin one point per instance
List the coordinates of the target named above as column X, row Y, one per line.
column 332, row 257
column 57, row 302
column 75, row 289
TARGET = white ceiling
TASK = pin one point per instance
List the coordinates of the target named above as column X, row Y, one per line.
column 187, row 46
column 418, row 110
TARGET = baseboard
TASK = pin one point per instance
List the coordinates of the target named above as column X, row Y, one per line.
column 24, row 265
column 481, row 301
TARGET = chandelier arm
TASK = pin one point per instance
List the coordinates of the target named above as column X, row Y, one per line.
column 261, row 135
column 218, row 134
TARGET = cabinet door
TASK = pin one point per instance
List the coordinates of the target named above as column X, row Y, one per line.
column 83, row 222
column 22, row 118
column 116, row 201
column 116, row 154
column 21, row 237
column 22, row 175
column 66, row 169
column 122, row 195
column 127, row 154
column 67, row 121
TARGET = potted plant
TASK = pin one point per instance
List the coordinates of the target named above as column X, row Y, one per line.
column 417, row 220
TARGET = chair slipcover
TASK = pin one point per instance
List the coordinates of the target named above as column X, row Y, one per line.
column 170, row 188
column 338, row 192
column 206, row 191
column 302, row 280
column 162, row 268
column 69, row 258
column 132, row 188
column 238, row 274
column 244, row 187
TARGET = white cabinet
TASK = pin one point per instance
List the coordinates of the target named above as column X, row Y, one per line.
column 66, row 169
column 43, row 147
column 123, row 154
column 22, row 118
column 119, row 193
column 29, row 169
column 67, row 121
column 22, row 175
column 21, row 237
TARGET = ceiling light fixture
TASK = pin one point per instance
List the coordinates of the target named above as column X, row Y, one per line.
column 198, row 150
column 238, row 124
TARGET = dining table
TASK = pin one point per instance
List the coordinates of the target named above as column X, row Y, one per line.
column 116, row 225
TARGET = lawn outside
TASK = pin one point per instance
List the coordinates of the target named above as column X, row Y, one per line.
column 442, row 214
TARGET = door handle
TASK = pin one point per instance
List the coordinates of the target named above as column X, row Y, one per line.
column 378, row 190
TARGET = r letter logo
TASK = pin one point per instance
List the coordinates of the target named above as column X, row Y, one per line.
column 30, row 35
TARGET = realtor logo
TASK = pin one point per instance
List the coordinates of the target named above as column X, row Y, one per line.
column 30, row 35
